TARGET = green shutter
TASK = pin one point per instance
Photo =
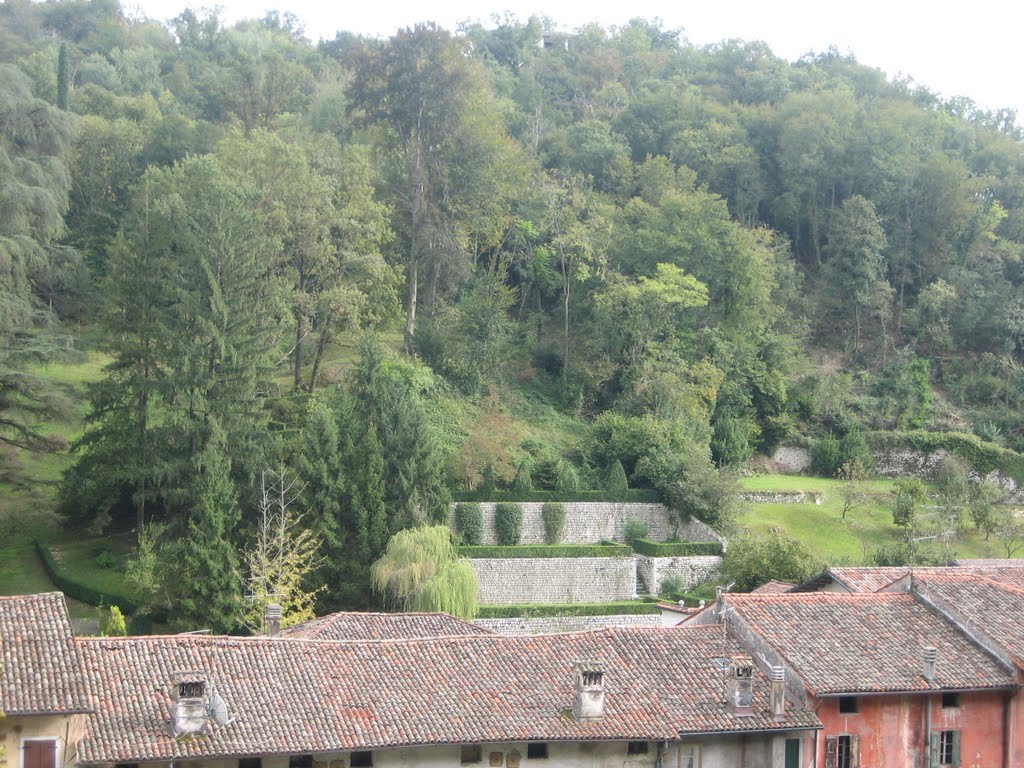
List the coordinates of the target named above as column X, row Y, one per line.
column 956, row 747
column 934, row 750
column 792, row 753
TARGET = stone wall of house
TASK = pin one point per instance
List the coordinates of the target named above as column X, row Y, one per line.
column 549, row 625
column 506, row 581
column 692, row 570
column 591, row 522
column 792, row 458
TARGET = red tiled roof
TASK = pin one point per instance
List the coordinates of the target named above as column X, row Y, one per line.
column 994, row 608
column 382, row 626
column 773, row 587
column 848, row 643
column 299, row 696
column 40, row 669
column 873, row 579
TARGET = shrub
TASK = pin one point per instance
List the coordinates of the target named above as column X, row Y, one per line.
column 756, row 558
column 675, row 548
column 566, row 481
column 508, row 523
column 469, row 522
column 636, row 495
column 826, row 456
column 616, row 481
column 76, row 589
column 635, row 529
column 112, row 623
column 610, row 549
column 106, row 559
column 553, row 513
column 671, row 586
column 523, row 481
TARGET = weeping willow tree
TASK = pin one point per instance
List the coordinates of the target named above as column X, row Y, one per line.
column 421, row 571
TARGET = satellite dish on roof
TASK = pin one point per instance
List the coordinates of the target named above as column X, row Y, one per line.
column 218, row 709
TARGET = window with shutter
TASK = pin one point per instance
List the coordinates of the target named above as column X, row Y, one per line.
column 945, row 748
column 831, row 749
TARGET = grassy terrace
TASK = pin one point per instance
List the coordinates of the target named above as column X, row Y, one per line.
column 821, row 527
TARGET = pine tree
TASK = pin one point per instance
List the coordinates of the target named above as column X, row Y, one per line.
column 206, row 565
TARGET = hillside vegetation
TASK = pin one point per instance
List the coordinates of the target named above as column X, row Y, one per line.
column 395, row 271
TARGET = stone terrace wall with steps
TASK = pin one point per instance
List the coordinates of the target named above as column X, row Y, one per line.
column 692, row 570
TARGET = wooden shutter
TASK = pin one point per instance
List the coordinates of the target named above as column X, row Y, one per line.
column 855, row 752
column 956, row 747
column 933, row 752
column 40, row 754
column 831, row 750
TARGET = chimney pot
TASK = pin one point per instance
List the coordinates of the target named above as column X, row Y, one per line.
column 739, row 686
column 588, row 700
column 777, row 675
column 273, row 620
column 930, row 655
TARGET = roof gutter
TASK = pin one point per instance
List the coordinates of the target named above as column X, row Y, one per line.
column 753, row 730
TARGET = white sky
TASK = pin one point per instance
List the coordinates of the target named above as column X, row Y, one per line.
column 964, row 48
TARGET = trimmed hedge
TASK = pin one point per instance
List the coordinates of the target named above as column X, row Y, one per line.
column 547, row 550
column 539, row 610
column 508, row 523
column 76, row 589
column 553, row 514
column 676, row 548
column 469, row 522
column 633, row 495
column 981, row 455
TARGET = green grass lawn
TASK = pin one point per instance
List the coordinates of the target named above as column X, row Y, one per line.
column 822, row 530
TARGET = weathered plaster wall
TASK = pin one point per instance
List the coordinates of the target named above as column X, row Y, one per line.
column 892, row 728
column 692, row 570
column 506, row 581
column 591, row 522
column 547, row 625
column 65, row 730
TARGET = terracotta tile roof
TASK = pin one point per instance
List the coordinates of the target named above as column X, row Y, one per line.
column 40, row 668
column 994, row 608
column 382, row 626
column 873, row 579
column 299, row 696
column 842, row 643
column 773, row 587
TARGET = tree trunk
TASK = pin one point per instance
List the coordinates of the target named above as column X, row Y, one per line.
column 321, row 346
column 410, row 312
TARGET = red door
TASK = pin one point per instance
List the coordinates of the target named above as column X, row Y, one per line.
column 40, row 754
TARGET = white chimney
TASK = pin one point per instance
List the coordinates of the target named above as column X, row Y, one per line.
column 273, row 620
column 588, row 700
column 739, row 689
column 777, row 675
column 189, row 709
column 929, row 656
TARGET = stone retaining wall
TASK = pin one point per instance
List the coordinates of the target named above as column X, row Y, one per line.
column 507, row 581
column 692, row 570
column 549, row 625
column 782, row 497
column 591, row 522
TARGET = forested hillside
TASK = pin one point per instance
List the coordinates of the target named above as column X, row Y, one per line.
column 401, row 270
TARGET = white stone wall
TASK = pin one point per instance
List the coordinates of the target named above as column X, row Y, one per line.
column 549, row 625
column 591, row 522
column 793, row 458
column 782, row 497
column 692, row 570
column 506, row 581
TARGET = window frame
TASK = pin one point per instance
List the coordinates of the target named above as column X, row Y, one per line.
column 849, row 705
column 365, row 759
column 467, row 752
column 634, row 748
column 537, row 750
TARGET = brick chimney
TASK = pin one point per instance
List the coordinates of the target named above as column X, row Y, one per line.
column 929, row 656
column 777, row 675
column 588, row 699
column 189, row 708
column 273, row 620
column 739, row 687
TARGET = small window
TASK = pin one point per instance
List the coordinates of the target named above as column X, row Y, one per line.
column 950, row 700
column 689, row 756
column 472, row 753
column 948, row 747
column 191, row 689
column 250, row 762
column 848, row 705
column 844, row 753
column 637, row 748
column 537, row 750
column 300, row 761
column 361, row 760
